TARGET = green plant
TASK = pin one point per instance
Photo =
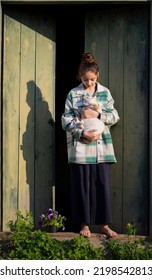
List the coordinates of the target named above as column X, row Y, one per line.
column 80, row 248
column 131, row 229
column 136, row 249
column 30, row 244
column 52, row 218
column 26, row 243
column 22, row 222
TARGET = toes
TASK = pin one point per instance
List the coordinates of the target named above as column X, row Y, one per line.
column 107, row 231
column 85, row 233
column 111, row 233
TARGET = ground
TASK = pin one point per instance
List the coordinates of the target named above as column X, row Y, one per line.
column 97, row 239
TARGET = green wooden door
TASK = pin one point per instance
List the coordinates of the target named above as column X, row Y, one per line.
column 28, row 111
column 118, row 37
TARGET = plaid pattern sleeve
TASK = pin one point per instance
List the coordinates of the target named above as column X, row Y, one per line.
column 97, row 151
column 109, row 114
column 69, row 115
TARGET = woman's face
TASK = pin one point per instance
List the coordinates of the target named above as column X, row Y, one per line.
column 89, row 79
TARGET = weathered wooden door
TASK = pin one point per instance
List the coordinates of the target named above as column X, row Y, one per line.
column 28, row 110
column 118, row 37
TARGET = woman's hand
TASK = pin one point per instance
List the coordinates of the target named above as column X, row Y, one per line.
column 90, row 135
column 88, row 113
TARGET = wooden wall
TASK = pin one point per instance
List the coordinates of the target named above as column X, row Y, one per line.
column 118, row 37
column 28, row 112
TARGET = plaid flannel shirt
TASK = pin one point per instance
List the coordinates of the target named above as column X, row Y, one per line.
column 97, row 151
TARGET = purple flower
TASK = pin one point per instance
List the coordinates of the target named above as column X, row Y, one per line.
column 49, row 211
column 50, row 216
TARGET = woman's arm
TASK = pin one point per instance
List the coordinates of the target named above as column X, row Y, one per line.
column 68, row 119
column 109, row 115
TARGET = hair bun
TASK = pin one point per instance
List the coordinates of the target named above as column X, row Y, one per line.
column 87, row 58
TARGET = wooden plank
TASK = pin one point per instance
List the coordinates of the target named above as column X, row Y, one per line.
column 11, row 78
column 27, row 113
column 116, row 88
column 96, row 41
column 45, row 113
column 135, row 190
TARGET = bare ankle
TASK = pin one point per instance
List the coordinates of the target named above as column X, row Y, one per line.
column 85, row 226
column 104, row 226
column 108, row 231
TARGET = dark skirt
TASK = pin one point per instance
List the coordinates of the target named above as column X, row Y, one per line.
column 90, row 193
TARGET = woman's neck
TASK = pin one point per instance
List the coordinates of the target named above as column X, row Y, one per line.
column 91, row 90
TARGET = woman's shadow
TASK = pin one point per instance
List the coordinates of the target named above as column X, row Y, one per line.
column 38, row 146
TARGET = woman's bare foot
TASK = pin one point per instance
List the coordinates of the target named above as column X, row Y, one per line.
column 85, row 231
column 108, row 231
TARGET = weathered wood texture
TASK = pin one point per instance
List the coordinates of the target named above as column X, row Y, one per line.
column 118, row 37
column 28, row 112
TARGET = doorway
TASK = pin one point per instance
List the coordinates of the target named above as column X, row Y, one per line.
column 69, row 48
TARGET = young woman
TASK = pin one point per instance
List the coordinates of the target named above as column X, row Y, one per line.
column 89, row 162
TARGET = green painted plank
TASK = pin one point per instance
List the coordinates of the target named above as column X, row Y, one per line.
column 135, row 186
column 45, row 113
column 116, row 88
column 11, row 76
column 27, row 114
column 96, row 41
